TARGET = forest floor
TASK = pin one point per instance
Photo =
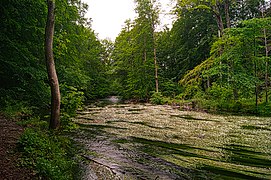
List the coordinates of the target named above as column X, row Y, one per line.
column 10, row 132
column 144, row 141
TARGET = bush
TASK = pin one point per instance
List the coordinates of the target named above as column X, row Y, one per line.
column 46, row 153
column 15, row 109
column 157, row 98
column 71, row 99
column 66, row 122
column 189, row 92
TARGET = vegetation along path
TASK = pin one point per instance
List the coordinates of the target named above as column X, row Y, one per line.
column 9, row 135
column 144, row 141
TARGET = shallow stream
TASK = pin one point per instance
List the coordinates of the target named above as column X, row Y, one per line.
column 144, row 141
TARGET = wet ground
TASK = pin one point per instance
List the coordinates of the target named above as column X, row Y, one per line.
column 144, row 141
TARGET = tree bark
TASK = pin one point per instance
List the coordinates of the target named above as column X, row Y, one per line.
column 266, row 58
column 266, row 65
column 219, row 20
column 155, row 59
column 255, row 73
column 52, row 76
column 227, row 14
column 156, row 70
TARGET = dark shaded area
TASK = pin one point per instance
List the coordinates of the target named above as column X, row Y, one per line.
column 188, row 117
column 251, row 127
column 137, row 122
column 247, row 156
column 146, row 124
column 153, row 147
column 98, row 126
column 115, row 121
column 136, row 109
column 223, row 173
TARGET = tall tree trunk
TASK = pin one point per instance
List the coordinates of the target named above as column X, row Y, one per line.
column 227, row 14
column 156, row 70
column 52, row 76
column 145, row 50
column 255, row 74
column 266, row 58
column 266, row 65
column 155, row 59
column 219, row 20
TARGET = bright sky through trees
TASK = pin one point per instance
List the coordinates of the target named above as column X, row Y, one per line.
column 109, row 15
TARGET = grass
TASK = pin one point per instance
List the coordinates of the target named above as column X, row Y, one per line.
column 208, row 146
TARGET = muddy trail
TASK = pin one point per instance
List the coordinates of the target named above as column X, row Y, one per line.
column 144, row 141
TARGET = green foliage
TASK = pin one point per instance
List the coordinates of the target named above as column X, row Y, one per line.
column 34, row 122
column 169, row 88
column 15, row 109
column 67, row 123
column 71, row 99
column 157, row 98
column 219, row 92
column 133, row 54
column 189, row 92
column 47, row 153
column 237, row 66
column 186, row 45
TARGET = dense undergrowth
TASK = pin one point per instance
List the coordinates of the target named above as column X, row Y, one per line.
column 215, row 105
column 50, row 154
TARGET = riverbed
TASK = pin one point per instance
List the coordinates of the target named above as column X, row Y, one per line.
column 145, row 141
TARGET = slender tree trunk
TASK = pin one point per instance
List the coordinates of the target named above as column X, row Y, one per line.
column 156, row 70
column 219, row 20
column 266, row 66
column 266, row 59
column 52, row 76
column 255, row 74
column 145, row 50
column 227, row 14
column 256, row 87
column 155, row 60
column 208, row 82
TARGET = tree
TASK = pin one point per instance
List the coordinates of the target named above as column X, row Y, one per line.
column 214, row 6
column 134, row 54
column 187, row 44
column 148, row 18
column 50, row 64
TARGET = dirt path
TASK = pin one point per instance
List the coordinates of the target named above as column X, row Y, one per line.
column 9, row 135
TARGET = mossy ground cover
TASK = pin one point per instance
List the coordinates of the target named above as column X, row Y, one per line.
column 191, row 145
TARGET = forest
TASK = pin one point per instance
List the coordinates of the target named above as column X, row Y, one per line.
column 215, row 59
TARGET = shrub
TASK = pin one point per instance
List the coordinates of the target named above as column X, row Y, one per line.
column 71, row 99
column 157, row 98
column 15, row 109
column 47, row 153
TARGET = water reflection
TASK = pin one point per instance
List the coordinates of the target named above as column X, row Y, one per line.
column 109, row 101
